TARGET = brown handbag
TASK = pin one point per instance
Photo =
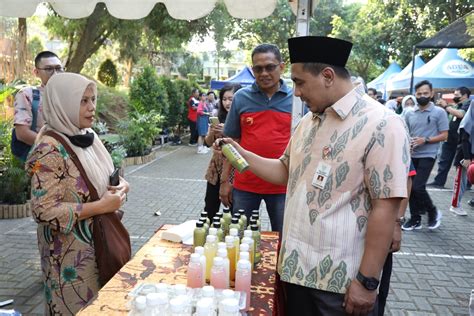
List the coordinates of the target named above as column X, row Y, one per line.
column 111, row 239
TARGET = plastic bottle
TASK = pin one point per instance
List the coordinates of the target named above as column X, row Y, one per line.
column 220, row 214
column 236, row 225
column 245, row 247
column 254, row 221
column 241, row 223
column 235, row 233
column 157, row 303
column 194, row 275
column 248, row 238
column 213, row 231
column 139, row 306
column 179, row 307
column 243, row 280
column 179, row 289
column 204, row 307
column 223, row 254
column 218, row 275
column 229, row 307
column 227, row 294
column 199, row 237
column 234, row 157
column 202, row 260
column 205, row 221
column 162, row 287
column 231, row 254
column 210, row 250
column 227, row 216
column 220, row 232
column 208, row 292
column 256, row 238
column 244, row 218
column 206, row 216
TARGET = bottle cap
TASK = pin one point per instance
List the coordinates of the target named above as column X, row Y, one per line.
column 235, row 220
column 211, row 238
column 248, row 233
column 237, row 215
column 228, row 293
column 140, row 302
column 207, row 291
column 155, row 299
column 217, row 224
column 203, row 219
column 216, row 219
column 195, row 257
column 179, row 289
column 254, row 227
column 222, row 253
column 221, row 245
column 226, row 210
column 229, row 239
column 162, row 287
column 203, row 214
column 199, row 224
column 218, row 261
column 213, row 231
column 229, row 305
column 256, row 213
column 253, row 221
column 199, row 250
column 233, row 232
column 177, row 305
column 242, row 212
column 203, row 307
column 243, row 264
column 244, row 255
column 244, row 247
column 220, row 214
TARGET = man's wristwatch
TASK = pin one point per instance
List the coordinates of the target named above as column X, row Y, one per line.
column 370, row 284
column 427, row 140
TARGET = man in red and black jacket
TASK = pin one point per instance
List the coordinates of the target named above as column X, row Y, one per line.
column 192, row 116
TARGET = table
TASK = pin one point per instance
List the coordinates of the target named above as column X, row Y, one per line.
column 164, row 261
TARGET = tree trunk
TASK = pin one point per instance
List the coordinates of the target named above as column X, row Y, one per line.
column 92, row 38
column 128, row 72
column 22, row 48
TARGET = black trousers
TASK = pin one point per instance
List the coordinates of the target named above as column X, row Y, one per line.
column 305, row 301
column 211, row 200
column 194, row 133
column 385, row 283
column 448, row 151
column 420, row 201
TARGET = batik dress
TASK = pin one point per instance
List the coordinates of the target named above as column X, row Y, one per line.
column 70, row 274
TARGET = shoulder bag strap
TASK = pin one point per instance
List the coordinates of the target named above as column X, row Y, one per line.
column 34, row 108
column 77, row 162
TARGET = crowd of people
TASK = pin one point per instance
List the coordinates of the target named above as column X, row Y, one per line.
column 336, row 189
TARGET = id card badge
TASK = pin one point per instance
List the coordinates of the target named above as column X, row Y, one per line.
column 321, row 175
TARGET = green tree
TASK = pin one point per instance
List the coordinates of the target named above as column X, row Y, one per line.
column 108, row 73
column 191, row 65
column 35, row 46
column 147, row 93
column 175, row 101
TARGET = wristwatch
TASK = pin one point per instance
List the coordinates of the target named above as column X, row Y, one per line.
column 370, row 284
column 427, row 140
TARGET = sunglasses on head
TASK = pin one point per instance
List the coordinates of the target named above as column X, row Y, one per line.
column 267, row 68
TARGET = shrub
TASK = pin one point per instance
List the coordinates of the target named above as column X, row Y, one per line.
column 147, row 93
column 138, row 132
column 108, row 73
column 175, row 97
column 112, row 106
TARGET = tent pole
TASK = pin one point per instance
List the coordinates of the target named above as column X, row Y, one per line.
column 303, row 16
column 412, row 69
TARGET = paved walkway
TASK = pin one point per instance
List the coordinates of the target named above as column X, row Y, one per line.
column 432, row 275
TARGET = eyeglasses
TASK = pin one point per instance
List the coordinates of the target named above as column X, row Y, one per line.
column 51, row 70
column 267, row 68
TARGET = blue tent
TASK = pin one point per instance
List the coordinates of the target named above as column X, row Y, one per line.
column 406, row 72
column 447, row 70
column 379, row 82
column 244, row 78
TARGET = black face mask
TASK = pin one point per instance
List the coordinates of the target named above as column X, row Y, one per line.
column 423, row 101
column 82, row 141
column 456, row 99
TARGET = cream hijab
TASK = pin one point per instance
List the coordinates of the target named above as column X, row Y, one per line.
column 61, row 105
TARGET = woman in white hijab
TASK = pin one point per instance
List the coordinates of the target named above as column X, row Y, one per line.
column 61, row 200
column 408, row 104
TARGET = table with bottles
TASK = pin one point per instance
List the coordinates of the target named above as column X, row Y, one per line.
column 162, row 261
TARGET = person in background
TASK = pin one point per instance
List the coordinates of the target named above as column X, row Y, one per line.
column 214, row 170
column 408, row 104
column 61, row 199
column 203, row 113
column 455, row 113
column 211, row 99
column 192, row 104
column 46, row 65
column 260, row 119
column 463, row 160
column 428, row 126
column 372, row 93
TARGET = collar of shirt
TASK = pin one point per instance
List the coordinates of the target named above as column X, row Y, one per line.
column 428, row 109
column 344, row 105
column 283, row 88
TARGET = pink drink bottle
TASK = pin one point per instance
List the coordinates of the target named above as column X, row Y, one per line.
column 243, row 280
column 218, row 275
column 195, row 276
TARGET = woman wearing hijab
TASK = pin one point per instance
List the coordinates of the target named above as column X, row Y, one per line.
column 408, row 104
column 61, row 200
column 463, row 160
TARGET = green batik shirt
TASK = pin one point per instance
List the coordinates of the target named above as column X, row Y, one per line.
column 363, row 150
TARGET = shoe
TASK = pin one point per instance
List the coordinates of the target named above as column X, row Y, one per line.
column 411, row 224
column 458, row 211
column 434, row 223
column 471, row 203
column 435, row 185
column 192, row 144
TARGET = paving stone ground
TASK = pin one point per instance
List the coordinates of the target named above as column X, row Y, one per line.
column 433, row 274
